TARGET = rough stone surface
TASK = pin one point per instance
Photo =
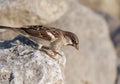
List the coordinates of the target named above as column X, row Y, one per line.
column 95, row 62
column 21, row 64
column 27, row 12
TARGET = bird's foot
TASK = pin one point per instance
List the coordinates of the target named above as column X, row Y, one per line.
column 55, row 52
column 49, row 51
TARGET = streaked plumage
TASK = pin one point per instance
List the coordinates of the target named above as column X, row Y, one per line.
column 57, row 38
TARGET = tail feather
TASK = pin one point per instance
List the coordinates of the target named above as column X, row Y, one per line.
column 5, row 27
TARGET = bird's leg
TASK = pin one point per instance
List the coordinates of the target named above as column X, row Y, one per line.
column 56, row 45
column 55, row 52
column 47, row 51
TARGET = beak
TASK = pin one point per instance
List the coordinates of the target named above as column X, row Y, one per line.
column 76, row 46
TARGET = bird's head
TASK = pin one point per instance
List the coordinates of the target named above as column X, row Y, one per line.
column 72, row 39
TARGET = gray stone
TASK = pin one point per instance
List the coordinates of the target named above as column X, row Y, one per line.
column 27, row 12
column 21, row 64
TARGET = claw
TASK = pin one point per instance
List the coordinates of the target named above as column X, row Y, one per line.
column 49, row 51
column 56, row 52
column 46, row 52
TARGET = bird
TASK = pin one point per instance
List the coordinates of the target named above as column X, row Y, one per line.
column 48, row 38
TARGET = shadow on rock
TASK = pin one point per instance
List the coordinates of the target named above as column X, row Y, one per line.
column 10, row 43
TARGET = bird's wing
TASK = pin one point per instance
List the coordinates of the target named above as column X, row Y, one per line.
column 43, row 32
column 39, row 31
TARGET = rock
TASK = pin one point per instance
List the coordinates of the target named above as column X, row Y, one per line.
column 114, row 27
column 112, row 22
column 95, row 62
column 21, row 64
column 28, row 12
column 109, row 6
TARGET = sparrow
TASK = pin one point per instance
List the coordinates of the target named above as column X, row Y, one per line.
column 48, row 38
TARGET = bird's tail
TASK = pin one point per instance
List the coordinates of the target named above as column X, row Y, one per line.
column 6, row 27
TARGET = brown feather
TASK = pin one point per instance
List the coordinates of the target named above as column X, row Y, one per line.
column 41, row 32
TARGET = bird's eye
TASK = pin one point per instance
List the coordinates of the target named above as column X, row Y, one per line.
column 73, row 41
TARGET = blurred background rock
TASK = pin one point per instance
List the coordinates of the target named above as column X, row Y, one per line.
column 96, row 23
column 109, row 6
column 110, row 10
